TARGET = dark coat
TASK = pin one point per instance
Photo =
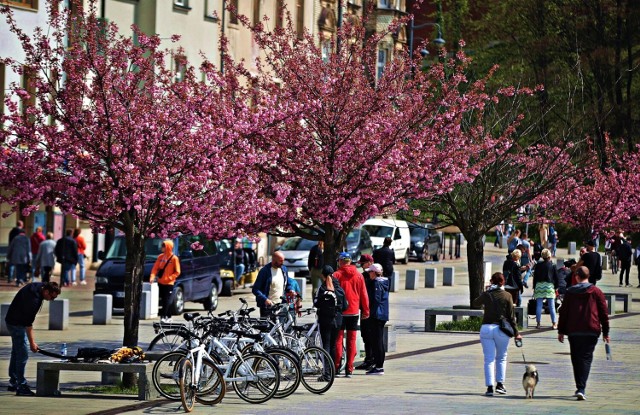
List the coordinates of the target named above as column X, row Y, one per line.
column 497, row 303
column 25, row 305
column 545, row 271
column 593, row 261
column 511, row 272
column 263, row 283
column 385, row 257
column 584, row 311
column 67, row 250
column 378, row 291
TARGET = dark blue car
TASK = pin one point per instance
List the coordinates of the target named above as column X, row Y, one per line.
column 199, row 280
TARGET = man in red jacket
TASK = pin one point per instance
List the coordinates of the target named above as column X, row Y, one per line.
column 352, row 282
column 583, row 316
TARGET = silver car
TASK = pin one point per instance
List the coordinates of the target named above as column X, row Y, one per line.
column 296, row 255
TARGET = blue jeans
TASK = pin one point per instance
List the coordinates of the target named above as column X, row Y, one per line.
column 494, row 347
column 67, row 270
column 19, row 354
column 552, row 309
column 21, row 273
column 239, row 270
column 82, row 272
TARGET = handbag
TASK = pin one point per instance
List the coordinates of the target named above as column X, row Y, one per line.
column 160, row 272
column 504, row 324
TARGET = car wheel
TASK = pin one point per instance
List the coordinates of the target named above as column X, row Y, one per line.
column 211, row 302
column 227, row 285
column 178, row 301
column 405, row 260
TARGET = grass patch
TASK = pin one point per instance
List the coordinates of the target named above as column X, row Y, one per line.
column 468, row 324
column 117, row 389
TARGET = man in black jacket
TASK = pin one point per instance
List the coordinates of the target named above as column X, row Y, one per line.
column 592, row 261
column 20, row 316
column 385, row 257
column 624, row 254
column 67, row 254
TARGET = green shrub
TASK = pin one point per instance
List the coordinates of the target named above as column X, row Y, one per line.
column 117, row 389
column 467, row 324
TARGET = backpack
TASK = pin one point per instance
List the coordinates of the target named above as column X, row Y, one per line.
column 327, row 305
column 341, row 299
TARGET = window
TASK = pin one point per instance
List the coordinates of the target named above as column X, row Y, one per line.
column 279, row 13
column 326, row 51
column 181, row 3
column 179, row 66
column 300, row 18
column 233, row 18
column 27, row 4
column 29, row 85
column 385, row 3
column 382, row 61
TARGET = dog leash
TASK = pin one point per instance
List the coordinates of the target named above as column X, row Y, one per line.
column 522, row 351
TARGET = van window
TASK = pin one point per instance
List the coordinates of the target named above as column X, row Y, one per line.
column 185, row 248
column 397, row 236
column 379, row 231
column 118, row 249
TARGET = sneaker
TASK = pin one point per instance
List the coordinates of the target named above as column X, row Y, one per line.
column 629, row 286
column 500, row 389
column 619, row 285
column 12, row 388
column 376, row 371
column 364, row 366
column 347, row 374
column 75, row 283
column 581, row 396
column 489, row 391
column 83, row 283
column 25, row 391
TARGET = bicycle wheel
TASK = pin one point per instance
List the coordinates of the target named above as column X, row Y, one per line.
column 289, row 369
column 255, row 378
column 187, row 388
column 169, row 340
column 318, row 371
column 211, row 385
column 165, row 375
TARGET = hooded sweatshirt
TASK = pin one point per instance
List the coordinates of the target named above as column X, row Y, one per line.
column 172, row 263
column 584, row 311
column 355, row 291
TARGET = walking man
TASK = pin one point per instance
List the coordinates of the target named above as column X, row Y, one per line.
column 19, row 256
column 20, row 316
column 583, row 316
column 67, row 255
column 591, row 259
column 624, row 254
column 45, row 258
column 385, row 257
column 316, row 264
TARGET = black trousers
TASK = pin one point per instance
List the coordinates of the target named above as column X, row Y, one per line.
column 376, row 339
column 365, row 332
column 166, row 292
column 581, row 347
column 328, row 334
column 625, row 267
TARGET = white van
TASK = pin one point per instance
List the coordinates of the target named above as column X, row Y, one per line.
column 397, row 230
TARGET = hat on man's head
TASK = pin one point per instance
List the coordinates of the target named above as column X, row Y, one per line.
column 570, row 262
column 327, row 270
column 344, row 256
column 590, row 243
column 377, row 268
column 365, row 258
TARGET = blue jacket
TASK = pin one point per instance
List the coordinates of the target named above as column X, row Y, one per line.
column 19, row 250
column 378, row 290
column 263, row 283
column 25, row 305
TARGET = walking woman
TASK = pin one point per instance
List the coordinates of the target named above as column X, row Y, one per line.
column 545, row 283
column 165, row 271
column 497, row 303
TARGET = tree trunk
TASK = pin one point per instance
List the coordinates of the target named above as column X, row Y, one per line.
column 475, row 263
column 132, row 293
column 333, row 241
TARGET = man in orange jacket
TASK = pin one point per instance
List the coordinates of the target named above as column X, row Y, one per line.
column 165, row 271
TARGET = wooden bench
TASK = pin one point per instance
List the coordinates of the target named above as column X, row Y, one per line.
column 430, row 315
column 48, row 376
column 626, row 299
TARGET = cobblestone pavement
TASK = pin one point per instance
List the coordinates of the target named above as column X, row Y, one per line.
column 430, row 373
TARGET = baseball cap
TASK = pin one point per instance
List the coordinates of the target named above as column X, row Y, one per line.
column 345, row 256
column 365, row 258
column 327, row 270
column 377, row 268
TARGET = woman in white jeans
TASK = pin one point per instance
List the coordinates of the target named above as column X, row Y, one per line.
column 496, row 302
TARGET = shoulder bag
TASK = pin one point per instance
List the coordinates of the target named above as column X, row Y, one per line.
column 503, row 323
column 160, row 272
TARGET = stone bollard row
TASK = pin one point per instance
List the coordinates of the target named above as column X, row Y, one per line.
column 102, row 309
column 59, row 314
column 413, row 279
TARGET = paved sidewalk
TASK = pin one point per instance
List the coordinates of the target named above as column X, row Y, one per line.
column 430, row 373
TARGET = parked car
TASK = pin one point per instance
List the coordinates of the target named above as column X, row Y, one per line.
column 358, row 242
column 397, row 230
column 425, row 242
column 296, row 255
column 199, row 280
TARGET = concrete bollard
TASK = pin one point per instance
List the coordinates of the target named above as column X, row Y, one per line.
column 605, row 262
column 413, row 279
column 145, row 305
column 302, row 283
column 394, row 282
column 611, row 304
column 504, row 242
column 389, row 338
column 430, row 278
column 487, row 273
column 4, row 308
column 102, row 309
column 448, row 275
column 572, row 248
column 155, row 297
column 59, row 314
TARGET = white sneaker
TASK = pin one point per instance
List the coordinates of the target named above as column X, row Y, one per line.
column 83, row 283
column 74, row 283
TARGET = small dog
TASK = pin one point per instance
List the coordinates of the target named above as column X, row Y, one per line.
column 530, row 380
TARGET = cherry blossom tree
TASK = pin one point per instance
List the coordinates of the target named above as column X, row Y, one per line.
column 112, row 138
column 365, row 141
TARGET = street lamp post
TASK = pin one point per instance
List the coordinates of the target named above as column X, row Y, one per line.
column 439, row 41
